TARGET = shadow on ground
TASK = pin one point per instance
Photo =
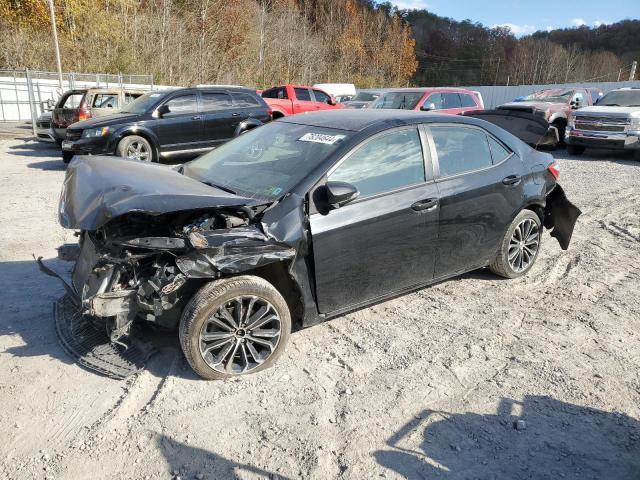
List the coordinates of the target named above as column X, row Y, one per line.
column 35, row 149
column 191, row 461
column 559, row 440
column 27, row 311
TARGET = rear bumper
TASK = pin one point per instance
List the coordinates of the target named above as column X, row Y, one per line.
column 616, row 141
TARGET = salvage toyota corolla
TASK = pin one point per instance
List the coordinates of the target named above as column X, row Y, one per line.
column 291, row 224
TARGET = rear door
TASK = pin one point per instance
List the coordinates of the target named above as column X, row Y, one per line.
column 385, row 240
column 219, row 117
column 480, row 184
column 181, row 128
column 303, row 102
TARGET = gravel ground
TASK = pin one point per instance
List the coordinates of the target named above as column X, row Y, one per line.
column 475, row 377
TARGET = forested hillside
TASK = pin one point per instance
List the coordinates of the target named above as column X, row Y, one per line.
column 466, row 53
column 182, row 42
column 265, row 42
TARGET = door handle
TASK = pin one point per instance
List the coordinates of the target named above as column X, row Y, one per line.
column 235, row 114
column 196, row 117
column 427, row 204
column 511, row 180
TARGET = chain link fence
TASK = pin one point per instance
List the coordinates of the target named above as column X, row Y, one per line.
column 25, row 94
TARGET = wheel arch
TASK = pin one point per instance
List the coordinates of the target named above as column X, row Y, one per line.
column 141, row 132
column 246, row 125
column 278, row 114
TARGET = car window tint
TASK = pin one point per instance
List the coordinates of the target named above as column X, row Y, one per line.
column 105, row 100
column 303, row 94
column 436, row 99
column 245, row 100
column 498, row 151
column 183, row 104
column 384, row 163
column 467, row 101
column 451, row 100
column 215, row 101
column 320, row 96
column 460, row 149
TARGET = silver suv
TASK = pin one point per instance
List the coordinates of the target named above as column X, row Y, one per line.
column 614, row 122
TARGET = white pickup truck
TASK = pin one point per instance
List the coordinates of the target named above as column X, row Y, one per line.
column 613, row 123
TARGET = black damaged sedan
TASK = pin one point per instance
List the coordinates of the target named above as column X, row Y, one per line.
column 291, row 224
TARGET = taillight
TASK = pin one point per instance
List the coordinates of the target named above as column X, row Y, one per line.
column 83, row 113
column 270, row 112
column 554, row 169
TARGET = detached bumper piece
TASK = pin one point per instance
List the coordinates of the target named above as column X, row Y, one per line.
column 91, row 347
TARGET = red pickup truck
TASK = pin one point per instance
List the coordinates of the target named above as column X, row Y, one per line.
column 291, row 99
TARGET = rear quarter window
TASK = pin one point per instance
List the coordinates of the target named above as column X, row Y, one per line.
column 303, row 94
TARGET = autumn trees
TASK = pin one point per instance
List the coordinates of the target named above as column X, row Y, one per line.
column 183, row 42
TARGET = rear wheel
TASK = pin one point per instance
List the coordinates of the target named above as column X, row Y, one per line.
column 575, row 149
column 520, row 246
column 234, row 326
column 135, row 147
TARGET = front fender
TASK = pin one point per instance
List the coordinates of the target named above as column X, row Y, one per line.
column 135, row 130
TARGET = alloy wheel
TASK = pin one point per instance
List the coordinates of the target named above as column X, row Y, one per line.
column 524, row 244
column 241, row 335
column 138, row 151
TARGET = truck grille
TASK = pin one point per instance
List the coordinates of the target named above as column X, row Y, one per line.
column 601, row 124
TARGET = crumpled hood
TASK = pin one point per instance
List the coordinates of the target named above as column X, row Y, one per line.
column 97, row 189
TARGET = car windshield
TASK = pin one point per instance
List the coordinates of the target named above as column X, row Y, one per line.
column 142, row 103
column 266, row 162
column 621, row 98
column 365, row 97
column 553, row 96
column 400, row 100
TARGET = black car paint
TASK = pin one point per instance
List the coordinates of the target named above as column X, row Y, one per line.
column 343, row 259
column 180, row 135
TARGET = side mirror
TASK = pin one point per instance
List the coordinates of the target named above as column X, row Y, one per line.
column 340, row 193
column 427, row 107
column 332, row 101
column 163, row 110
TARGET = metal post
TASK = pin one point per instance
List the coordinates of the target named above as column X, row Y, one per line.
column 632, row 75
column 32, row 101
column 54, row 29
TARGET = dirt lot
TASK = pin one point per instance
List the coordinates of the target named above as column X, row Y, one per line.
column 426, row 386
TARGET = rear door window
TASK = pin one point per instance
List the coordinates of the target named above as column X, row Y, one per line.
column 245, row 100
column 451, row 100
column 460, row 149
column 386, row 163
column 183, row 104
column 105, row 100
column 215, row 101
column 303, row 94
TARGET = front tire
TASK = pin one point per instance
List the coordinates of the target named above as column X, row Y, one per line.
column 519, row 247
column 234, row 326
column 135, row 147
column 575, row 149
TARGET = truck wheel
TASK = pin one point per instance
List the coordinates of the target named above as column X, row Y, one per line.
column 561, row 126
column 135, row 147
column 234, row 326
column 575, row 149
column 520, row 246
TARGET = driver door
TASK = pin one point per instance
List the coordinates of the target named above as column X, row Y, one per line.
column 181, row 128
column 385, row 240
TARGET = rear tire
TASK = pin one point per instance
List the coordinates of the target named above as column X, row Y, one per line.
column 135, row 147
column 561, row 126
column 216, row 332
column 575, row 149
column 520, row 246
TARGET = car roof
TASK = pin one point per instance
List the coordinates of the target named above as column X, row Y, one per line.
column 357, row 120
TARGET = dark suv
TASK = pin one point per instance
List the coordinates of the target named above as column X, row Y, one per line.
column 172, row 123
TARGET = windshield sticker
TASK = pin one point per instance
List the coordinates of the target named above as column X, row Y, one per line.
column 320, row 138
column 273, row 191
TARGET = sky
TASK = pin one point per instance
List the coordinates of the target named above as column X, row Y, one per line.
column 527, row 16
